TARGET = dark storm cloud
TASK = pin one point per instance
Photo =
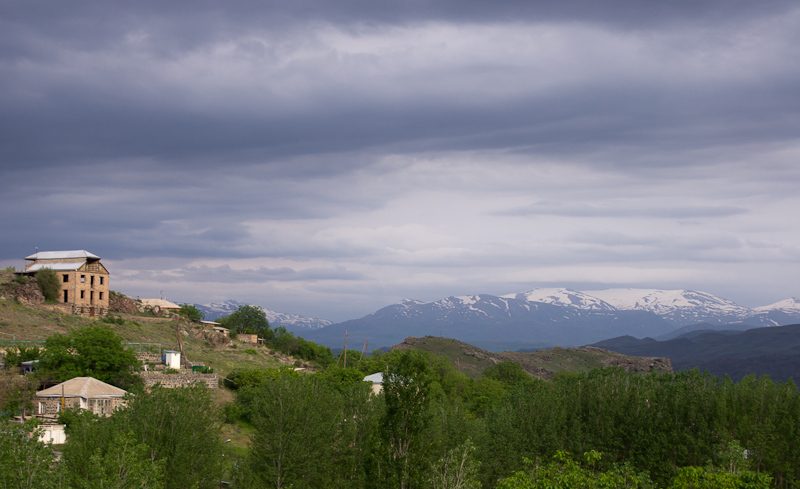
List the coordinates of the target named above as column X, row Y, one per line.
column 91, row 81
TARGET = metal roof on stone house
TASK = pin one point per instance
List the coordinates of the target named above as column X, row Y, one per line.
column 59, row 260
column 62, row 255
column 58, row 266
column 85, row 387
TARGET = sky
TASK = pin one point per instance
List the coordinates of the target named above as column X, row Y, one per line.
column 329, row 158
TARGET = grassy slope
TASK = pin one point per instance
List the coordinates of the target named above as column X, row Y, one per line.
column 24, row 323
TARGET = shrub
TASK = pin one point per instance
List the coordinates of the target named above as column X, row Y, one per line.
column 191, row 312
column 48, row 283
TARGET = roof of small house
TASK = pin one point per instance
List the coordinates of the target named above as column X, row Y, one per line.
column 62, row 255
column 162, row 303
column 376, row 378
column 86, row 387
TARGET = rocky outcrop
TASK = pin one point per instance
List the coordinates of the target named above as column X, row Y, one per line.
column 29, row 293
column 121, row 303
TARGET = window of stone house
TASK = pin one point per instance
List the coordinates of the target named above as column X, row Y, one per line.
column 101, row 280
column 66, row 296
column 83, row 278
column 42, row 408
column 66, row 278
column 91, row 279
column 100, row 295
column 81, row 294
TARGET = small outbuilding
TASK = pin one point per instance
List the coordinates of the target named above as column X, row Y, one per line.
column 172, row 359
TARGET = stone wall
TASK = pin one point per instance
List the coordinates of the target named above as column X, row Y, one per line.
column 251, row 339
column 148, row 357
column 145, row 319
column 180, row 379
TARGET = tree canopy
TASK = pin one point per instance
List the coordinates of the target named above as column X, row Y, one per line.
column 191, row 312
column 93, row 351
column 48, row 283
column 248, row 320
column 162, row 438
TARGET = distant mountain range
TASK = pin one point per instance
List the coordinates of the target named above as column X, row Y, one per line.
column 293, row 323
column 771, row 351
column 554, row 316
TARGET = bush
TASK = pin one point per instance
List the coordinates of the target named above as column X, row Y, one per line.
column 48, row 283
column 191, row 312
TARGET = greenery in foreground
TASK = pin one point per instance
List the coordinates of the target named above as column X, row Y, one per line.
column 433, row 427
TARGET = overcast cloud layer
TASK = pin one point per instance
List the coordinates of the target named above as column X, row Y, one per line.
column 329, row 158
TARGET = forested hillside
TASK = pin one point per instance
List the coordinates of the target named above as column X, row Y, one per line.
column 764, row 351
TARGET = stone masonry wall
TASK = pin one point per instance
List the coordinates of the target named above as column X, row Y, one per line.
column 180, row 379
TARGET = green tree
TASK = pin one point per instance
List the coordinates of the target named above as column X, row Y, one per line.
column 94, row 351
column 296, row 420
column 174, row 432
column 566, row 473
column 715, row 478
column 180, row 426
column 248, row 320
column 47, row 280
column 509, row 373
column 16, row 355
column 457, row 469
column 26, row 463
column 191, row 312
column 123, row 464
column 407, row 392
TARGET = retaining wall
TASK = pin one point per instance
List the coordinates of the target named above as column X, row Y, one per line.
column 180, row 379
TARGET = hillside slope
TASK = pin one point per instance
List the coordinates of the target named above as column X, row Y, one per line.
column 28, row 321
column 472, row 361
column 764, row 351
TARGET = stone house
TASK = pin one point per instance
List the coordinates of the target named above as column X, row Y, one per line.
column 81, row 392
column 160, row 305
column 250, row 339
column 83, row 279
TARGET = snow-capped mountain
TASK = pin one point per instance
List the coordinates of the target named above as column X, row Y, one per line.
column 564, row 297
column 556, row 316
column 680, row 307
column 788, row 306
column 291, row 322
column 492, row 322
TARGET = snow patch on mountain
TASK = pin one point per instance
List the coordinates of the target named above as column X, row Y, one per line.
column 563, row 297
column 787, row 305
